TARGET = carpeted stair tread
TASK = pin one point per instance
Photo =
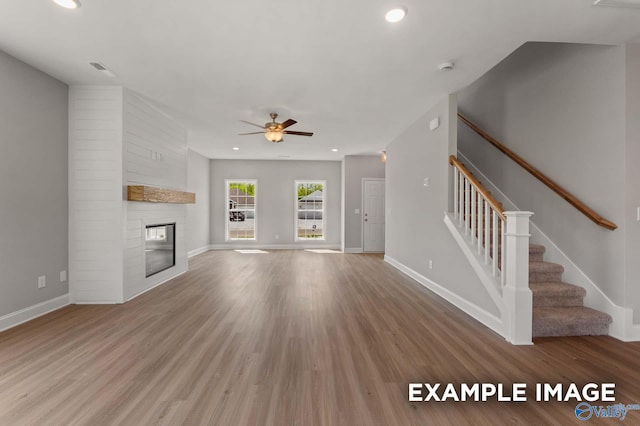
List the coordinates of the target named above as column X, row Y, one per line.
column 545, row 267
column 557, row 294
column 545, row 272
column 559, row 289
column 569, row 321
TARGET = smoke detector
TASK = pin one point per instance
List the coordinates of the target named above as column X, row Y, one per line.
column 445, row 66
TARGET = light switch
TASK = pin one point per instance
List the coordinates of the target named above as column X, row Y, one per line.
column 427, row 182
column 434, row 124
column 356, row 211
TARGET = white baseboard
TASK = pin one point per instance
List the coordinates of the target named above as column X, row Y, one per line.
column 273, row 246
column 632, row 334
column 353, row 250
column 27, row 314
column 155, row 285
column 489, row 320
column 198, row 251
column 620, row 328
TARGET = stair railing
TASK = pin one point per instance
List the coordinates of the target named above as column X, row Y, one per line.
column 566, row 195
column 481, row 217
column 500, row 240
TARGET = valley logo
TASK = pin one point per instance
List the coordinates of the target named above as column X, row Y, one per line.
column 585, row 411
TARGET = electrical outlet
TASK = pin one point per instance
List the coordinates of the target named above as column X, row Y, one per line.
column 430, row 264
column 277, row 236
column 63, row 276
column 42, row 281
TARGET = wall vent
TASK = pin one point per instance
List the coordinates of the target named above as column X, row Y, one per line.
column 100, row 67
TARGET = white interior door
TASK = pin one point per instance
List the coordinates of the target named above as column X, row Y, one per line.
column 373, row 215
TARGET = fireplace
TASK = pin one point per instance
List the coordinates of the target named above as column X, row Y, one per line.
column 160, row 248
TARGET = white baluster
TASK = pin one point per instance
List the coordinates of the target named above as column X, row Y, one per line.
column 503, row 250
column 456, row 176
column 480, row 228
column 460, row 199
column 474, row 194
column 467, row 192
column 487, row 226
column 494, row 241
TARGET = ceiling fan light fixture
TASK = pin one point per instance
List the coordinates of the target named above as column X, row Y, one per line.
column 273, row 136
column 69, row 4
column 396, row 14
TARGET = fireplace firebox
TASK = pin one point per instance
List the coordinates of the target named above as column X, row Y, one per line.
column 160, row 248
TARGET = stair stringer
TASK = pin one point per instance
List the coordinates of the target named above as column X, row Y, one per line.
column 621, row 328
column 490, row 283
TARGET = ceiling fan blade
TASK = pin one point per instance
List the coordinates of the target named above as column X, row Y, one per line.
column 287, row 123
column 291, row 132
column 253, row 124
column 252, row 133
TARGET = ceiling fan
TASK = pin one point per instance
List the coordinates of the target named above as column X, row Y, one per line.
column 274, row 131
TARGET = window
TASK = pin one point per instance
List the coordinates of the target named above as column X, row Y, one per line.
column 241, row 209
column 310, row 210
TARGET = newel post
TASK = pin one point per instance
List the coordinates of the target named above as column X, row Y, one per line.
column 516, row 293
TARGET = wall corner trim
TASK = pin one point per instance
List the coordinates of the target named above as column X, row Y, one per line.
column 32, row 312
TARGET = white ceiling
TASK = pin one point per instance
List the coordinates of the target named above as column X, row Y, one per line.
column 336, row 67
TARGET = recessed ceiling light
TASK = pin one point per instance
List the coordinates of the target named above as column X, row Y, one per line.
column 396, row 15
column 235, row 148
column 334, row 149
column 69, row 4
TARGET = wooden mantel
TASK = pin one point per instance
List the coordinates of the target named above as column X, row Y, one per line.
column 150, row 194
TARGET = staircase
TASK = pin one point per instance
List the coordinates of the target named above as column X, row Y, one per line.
column 557, row 306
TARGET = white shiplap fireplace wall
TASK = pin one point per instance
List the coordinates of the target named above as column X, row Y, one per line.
column 117, row 138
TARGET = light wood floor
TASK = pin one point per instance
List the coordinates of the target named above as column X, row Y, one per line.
column 285, row 338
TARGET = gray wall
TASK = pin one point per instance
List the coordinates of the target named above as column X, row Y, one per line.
column 357, row 167
column 198, row 220
column 275, row 196
column 560, row 107
column 415, row 230
column 33, row 185
column 632, row 178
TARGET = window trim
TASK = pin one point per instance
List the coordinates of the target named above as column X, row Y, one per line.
column 226, row 209
column 296, row 238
